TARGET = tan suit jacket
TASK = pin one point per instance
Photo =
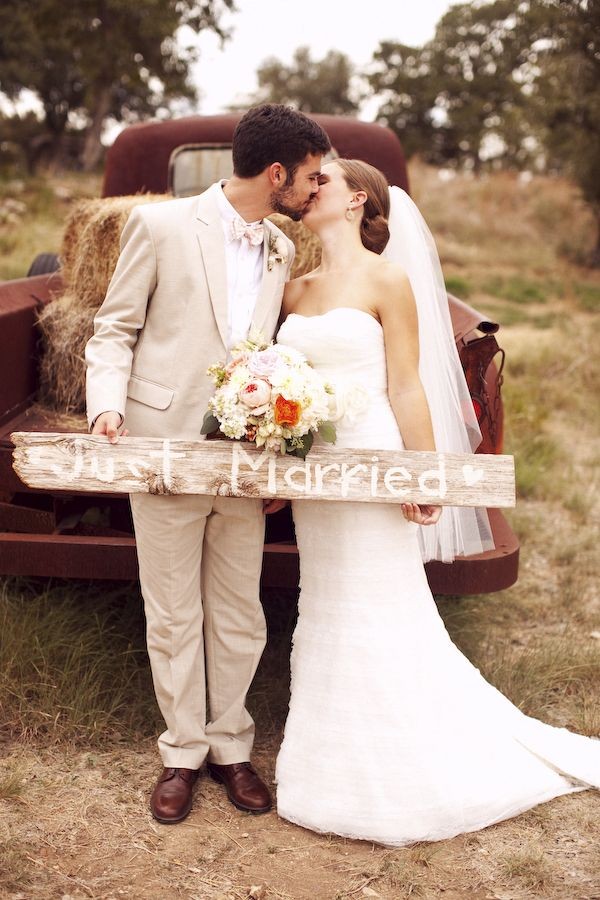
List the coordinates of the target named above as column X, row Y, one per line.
column 164, row 319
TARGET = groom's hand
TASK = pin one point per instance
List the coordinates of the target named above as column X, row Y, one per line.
column 109, row 423
column 273, row 506
column 421, row 514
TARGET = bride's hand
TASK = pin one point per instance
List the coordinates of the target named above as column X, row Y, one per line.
column 273, row 506
column 421, row 514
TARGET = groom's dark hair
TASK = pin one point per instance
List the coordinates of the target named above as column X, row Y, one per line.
column 272, row 133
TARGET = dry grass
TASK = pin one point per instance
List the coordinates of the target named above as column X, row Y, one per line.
column 528, row 865
column 502, row 222
column 38, row 227
column 74, row 820
column 11, row 785
column 73, row 666
column 89, row 252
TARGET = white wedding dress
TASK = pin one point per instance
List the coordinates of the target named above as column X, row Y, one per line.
column 393, row 735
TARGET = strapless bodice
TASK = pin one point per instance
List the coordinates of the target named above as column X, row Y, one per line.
column 346, row 346
column 343, row 343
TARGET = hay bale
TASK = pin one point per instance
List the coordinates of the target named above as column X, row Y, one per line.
column 89, row 253
column 66, row 327
column 308, row 245
column 78, row 218
column 90, row 247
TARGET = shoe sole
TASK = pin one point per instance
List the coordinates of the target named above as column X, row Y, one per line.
column 240, row 806
column 180, row 818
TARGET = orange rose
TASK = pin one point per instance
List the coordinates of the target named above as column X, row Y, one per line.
column 287, row 412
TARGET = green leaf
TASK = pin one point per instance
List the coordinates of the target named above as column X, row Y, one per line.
column 306, row 442
column 210, row 423
column 327, row 432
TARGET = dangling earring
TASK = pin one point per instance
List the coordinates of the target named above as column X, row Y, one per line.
column 350, row 215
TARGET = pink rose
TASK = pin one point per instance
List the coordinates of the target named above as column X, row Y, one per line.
column 236, row 361
column 263, row 363
column 256, row 395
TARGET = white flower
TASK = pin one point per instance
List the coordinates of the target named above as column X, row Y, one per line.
column 277, row 251
column 349, row 400
column 264, row 362
column 256, row 395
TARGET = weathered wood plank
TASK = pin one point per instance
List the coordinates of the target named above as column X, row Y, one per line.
column 78, row 462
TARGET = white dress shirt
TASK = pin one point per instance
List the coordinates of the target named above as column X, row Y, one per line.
column 244, row 275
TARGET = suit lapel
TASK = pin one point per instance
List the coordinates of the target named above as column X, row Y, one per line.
column 270, row 281
column 209, row 231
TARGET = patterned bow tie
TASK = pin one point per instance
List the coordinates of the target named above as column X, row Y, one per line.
column 254, row 234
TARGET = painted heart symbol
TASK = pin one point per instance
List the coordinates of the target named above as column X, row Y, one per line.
column 472, row 475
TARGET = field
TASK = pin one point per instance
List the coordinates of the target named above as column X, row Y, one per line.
column 76, row 703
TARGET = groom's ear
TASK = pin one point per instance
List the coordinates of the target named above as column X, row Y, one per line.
column 276, row 173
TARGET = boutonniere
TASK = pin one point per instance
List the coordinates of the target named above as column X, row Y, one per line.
column 277, row 251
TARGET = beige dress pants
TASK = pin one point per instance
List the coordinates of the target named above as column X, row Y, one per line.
column 200, row 561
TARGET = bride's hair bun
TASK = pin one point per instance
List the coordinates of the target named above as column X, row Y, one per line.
column 374, row 233
column 361, row 176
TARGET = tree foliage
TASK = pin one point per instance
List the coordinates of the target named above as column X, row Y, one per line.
column 318, row 86
column 565, row 99
column 403, row 78
column 93, row 59
column 458, row 87
column 523, row 75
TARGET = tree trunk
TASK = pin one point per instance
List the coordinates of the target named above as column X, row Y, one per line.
column 595, row 257
column 36, row 150
column 53, row 155
column 92, row 148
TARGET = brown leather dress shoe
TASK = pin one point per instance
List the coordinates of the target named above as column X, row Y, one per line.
column 171, row 798
column 244, row 787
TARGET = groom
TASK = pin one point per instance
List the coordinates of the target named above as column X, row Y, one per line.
column 193, row 275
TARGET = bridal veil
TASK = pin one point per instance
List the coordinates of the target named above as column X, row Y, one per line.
column 460, row 531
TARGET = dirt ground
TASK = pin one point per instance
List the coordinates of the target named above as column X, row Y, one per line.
column 81, row 828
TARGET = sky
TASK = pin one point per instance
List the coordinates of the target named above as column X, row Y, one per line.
column 266, row 28
column 263, row 28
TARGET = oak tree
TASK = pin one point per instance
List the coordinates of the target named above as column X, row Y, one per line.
column 95, row 59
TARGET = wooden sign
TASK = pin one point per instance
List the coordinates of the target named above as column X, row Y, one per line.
column 78, row 462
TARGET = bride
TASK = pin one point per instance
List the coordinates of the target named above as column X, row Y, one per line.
column 393, row 735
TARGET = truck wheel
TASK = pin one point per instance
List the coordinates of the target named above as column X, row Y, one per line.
column 43, row 264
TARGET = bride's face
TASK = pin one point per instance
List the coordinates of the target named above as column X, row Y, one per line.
column 331, row 203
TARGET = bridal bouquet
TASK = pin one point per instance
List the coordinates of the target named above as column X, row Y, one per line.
column 270, row 395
